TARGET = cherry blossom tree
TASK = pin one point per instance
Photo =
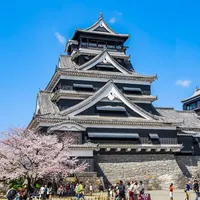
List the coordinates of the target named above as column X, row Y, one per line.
column 33, row 156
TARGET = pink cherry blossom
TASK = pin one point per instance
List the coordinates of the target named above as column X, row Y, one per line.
column 33, row 156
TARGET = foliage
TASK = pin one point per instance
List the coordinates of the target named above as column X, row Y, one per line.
column 33, row 156
column 16, row 183
column 37, row 186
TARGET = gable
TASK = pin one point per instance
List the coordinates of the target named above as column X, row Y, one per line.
column 106, row 59
column 110, row 108
column 101, row 26
column 101, row 29
column 66, row 126
column 105, row 67
column 111, row 92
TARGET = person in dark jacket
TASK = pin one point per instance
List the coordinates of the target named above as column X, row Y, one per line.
column 196, row 189
column 187, row 190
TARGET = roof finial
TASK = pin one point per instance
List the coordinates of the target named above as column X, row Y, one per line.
column 100, row 15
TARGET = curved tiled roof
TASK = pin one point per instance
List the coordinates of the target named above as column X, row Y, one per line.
column 187, row 119
column 196, row 94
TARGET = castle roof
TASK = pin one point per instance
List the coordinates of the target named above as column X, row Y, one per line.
column 193, row 97
column 48, row 110
column 101, row 28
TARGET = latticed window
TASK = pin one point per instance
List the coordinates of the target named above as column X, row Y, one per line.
column 93, row 43
column 84, row 42
column 101, row 44
column 110, row 45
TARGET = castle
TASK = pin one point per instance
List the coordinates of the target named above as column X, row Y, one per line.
column 96, row 95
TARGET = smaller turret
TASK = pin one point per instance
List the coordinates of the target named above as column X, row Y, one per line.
column 193, row 102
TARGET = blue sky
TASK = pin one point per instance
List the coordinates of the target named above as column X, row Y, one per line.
column 165, row 40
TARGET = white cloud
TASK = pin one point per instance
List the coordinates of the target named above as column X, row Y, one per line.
column 183, row 83
column 60, row 38
column 112, row 20
column 118, row 12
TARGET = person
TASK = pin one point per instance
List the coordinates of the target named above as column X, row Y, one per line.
column 116, row 191
column 171, row 189
column 42, row 192
column 187, row 190
column 136, row 191
column 91, row 190
column 121, row 190
column 141, row 187
column 18, row 195
column 60, row 191
column 110, row 191
column 100, row 190
column 49, row 194
column 46, row 192
column 196, row 189
column 11, row 194
column 79, row 191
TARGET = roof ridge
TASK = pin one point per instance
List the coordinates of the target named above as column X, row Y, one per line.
column 63, row 55
column 164, row 108
column 45, row 91
column 185, row 111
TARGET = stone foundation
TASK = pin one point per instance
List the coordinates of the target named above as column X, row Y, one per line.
column 89, row 178
column 157, row 171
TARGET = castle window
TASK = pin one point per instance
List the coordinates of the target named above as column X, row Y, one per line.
column 120, row 109
column 86, row 57
column 93, row 43
column 154, row 138
column 118, row 46
column 113, row 135
column 101, row 44
column 84, row 42
column 192, row 106
column 130, row 90
column 198, row 103
column 83, row 87
column 104, row 67
column 110, row 45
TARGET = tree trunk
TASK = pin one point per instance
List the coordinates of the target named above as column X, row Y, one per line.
column 30, row 185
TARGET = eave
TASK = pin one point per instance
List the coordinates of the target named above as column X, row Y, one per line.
column 128, row 147
column 139, row 147
column 191, row 99
column 97, row 74
column 71, row 94
column 132, row 122
column 94, row 52
column 124, row 37
column 195, row 96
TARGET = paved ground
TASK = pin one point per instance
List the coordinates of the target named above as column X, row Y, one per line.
column 164, row 195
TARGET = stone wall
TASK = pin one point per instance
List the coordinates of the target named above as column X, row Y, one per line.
column 89, row 178
column 157, row 171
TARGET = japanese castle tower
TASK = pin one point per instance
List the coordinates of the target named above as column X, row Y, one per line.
column 96, row 95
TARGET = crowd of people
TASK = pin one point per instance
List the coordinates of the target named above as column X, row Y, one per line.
column 190, row 185
column 119, row 191
column 129, row 191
